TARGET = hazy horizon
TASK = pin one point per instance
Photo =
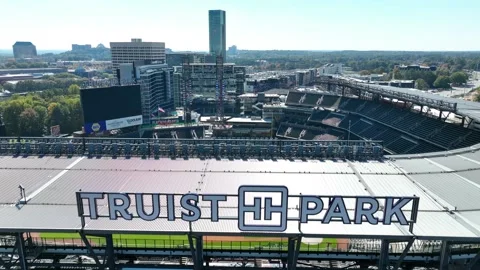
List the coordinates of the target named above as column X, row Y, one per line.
column 308, row 25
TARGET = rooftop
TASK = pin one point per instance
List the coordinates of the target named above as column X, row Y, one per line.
column 447, row 184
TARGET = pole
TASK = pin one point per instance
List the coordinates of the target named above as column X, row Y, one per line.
column 348, row 139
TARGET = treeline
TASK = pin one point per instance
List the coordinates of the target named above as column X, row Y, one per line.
column 12, row 65
column 34, row 113
column 441, row 78
column 57, row 81
column 372, row 61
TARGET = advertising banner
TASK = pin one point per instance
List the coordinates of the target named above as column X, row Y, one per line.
column 95, row 127
column 124, row 122
column 113, row 124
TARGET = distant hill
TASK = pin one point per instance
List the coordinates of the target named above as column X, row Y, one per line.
column 9, row 52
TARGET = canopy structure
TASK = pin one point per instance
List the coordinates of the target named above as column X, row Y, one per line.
column 447, row 183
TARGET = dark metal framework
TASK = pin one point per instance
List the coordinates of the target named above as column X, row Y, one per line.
column 360, row 89
column 186, row 94
column 107, row 252
column 220, row 95
column 185, row 148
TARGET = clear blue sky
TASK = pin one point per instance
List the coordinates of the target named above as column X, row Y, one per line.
column 251, row 24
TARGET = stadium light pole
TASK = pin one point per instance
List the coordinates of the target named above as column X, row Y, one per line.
column 348, row 139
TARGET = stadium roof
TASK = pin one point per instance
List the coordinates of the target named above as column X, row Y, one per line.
column 464, row 107
column 447, row 183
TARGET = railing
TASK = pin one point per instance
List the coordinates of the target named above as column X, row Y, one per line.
column 433, row 101
column 154, row 148
column 354, row 246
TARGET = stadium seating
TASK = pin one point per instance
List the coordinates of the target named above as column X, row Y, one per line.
column 318, row 115
column 400, row 145
column 311, row 99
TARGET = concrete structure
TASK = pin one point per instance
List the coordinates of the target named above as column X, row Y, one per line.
column 306, row 77
column 128, row 52
column 253, row 104
column 77, row 47
column 416, row 67
column 203, row 79
column 217, row 32
column 24, row 49
column 330, row 69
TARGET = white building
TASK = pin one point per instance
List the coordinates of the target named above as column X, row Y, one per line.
column 128, row 52
column 330, row 69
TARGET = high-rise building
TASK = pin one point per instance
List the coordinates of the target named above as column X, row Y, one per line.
column 128, row 52
column 204, row 79
column 217, row 32
column 232, row 50
column 24, row 49
column 156, row 86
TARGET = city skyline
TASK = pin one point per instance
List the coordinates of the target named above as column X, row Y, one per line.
column 255, row 25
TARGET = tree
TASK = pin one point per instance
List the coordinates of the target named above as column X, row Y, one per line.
column 421, row 84
column 442, row 82
column 30, row 124
column 74, row 89
column 458, row 78
column 364, row 72
column 11, row 116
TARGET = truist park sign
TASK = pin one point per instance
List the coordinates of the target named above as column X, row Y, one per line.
column 258, row 208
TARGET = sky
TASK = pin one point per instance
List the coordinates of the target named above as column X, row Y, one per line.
column 405, row 25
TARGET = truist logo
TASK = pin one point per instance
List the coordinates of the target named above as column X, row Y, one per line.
column 259, row 208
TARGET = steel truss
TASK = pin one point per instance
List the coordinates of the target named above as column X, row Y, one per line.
column 189, row 148
column 384, row 92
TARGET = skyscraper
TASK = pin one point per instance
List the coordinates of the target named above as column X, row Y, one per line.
column 128, row 52
column 24, row 49
column 217, row 27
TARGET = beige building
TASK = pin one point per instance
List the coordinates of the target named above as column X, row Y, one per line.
column 128, row 52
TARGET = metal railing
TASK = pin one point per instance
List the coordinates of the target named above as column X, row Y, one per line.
column 354, row 246
column 205, row 148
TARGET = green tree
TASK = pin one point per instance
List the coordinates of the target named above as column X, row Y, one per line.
column 30, row 124
column 421, row 84
column 74, row 89
column 364, row 72
column 458, row 78
column 11, row 116
column 442, row 82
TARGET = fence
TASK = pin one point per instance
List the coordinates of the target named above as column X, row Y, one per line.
column 204, row 148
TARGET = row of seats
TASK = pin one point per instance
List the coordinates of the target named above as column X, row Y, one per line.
column 445, row 134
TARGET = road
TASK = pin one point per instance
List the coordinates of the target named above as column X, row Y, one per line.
column 459, row 91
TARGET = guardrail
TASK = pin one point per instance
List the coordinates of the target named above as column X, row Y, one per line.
column 203, row 148
column 356, row 246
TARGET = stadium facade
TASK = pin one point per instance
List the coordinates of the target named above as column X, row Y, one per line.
column 437, row 226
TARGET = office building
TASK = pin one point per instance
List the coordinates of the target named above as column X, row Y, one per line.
column 217, row 32
column 176, row 59
column 232, row 51
column 306, row 77
column 331, row 69
column 24, row 49
column 156, row 87
column 128, row 52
